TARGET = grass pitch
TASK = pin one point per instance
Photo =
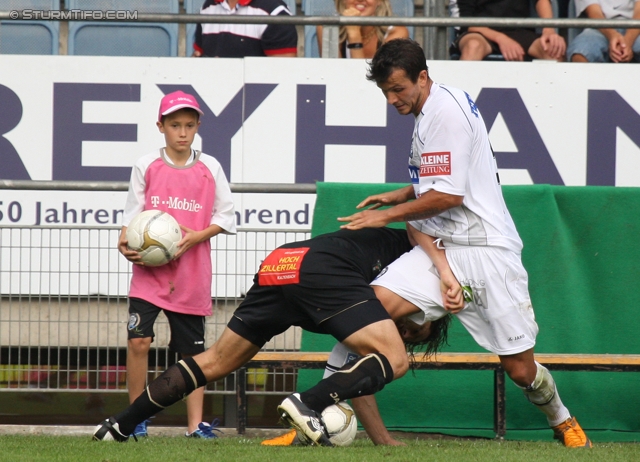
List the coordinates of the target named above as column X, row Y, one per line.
column 160, row 449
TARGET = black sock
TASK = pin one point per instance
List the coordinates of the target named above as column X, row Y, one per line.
column 170, row 387
column 365, row 376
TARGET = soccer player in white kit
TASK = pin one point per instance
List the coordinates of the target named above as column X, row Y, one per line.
column 456, row 196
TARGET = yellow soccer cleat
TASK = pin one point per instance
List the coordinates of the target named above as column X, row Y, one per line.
column 571, row 434
column 288, row 439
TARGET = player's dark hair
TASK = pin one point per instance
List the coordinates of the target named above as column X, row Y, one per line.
column 185, row 109
column 403, row 54
column 432, row 344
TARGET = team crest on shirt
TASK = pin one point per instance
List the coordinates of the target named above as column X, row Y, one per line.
column 435, row 164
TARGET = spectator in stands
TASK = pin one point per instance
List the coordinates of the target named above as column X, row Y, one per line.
column 240, row 40
column 606, row 45
column 363, row 41
column 514, row 44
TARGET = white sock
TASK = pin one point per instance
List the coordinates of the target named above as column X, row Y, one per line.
column 544, row 394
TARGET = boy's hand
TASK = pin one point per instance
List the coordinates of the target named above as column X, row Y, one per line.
column 131, row 255
column 189, row 239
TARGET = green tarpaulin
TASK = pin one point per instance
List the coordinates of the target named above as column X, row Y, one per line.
column 582, row 255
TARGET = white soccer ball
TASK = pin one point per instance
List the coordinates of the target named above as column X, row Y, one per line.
column 154, row 234
column 341, row 423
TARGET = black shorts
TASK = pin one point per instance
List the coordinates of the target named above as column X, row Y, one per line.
column 187, row 331
column 336, row 301
column 525, row 37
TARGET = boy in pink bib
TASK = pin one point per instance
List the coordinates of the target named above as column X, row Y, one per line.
column 192, row 187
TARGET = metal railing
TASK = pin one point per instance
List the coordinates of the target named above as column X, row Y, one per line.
column 434, row 45
column 259, row 188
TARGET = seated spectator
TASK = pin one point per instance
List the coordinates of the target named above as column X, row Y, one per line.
column 240, row 40
column 513, row 43
column 363, row 41
column 606, row 45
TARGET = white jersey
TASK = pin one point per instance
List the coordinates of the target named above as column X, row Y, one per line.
column 451, row 154
column 612, row 9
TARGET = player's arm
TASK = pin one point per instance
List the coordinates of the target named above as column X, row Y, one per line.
column 367, row 412
column 397, row 196
column 428, row 205
column 452, row 295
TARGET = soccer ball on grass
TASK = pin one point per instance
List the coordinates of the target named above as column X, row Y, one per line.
column 341, row 423
column 154, row 234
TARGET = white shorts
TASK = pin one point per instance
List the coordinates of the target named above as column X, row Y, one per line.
column 500, row 318
column 422, row 288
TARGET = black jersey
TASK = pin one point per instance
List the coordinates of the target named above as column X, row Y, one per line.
column 321, row 285
column 365, row 251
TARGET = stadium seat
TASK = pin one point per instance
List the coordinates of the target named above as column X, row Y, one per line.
column 194, row 6
column 401, row 8
column 94, row 38
column 29, row 37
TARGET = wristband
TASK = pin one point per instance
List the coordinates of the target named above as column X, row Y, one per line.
column 351, row 46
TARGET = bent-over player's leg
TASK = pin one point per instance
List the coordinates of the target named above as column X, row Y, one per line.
column 366, row 329
column 230, row 352
column 383, row 359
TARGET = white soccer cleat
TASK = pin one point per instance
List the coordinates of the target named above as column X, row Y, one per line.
column 306, row 421
column 109, row 430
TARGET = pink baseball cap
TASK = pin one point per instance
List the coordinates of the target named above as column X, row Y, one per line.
column 175, row 101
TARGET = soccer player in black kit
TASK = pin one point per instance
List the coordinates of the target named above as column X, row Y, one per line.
column 321, row 285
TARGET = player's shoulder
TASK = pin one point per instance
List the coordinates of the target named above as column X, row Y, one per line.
column 453, row 102
column 447, row 93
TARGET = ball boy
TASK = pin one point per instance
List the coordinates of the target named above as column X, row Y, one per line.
column 193, row 188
